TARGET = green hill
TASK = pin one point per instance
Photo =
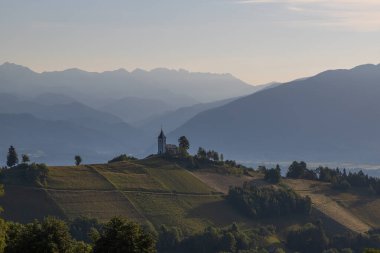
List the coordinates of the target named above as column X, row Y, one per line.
column 152, row 191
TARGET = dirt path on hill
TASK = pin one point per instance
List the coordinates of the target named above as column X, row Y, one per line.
column 327, row 205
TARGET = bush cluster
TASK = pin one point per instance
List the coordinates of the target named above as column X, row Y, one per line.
column 122, row 158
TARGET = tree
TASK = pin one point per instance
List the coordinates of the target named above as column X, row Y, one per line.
column 169, row 238
column 296, row 170
column 120, row 235
column 83, row 228
column 25, row 158
column 309, row 238
column 210, row 154
column 50, row 235
column 215, row 156
column 183, row 144
column 12, row 158
column 78, row 160
column 201, row 153
column 273, row 175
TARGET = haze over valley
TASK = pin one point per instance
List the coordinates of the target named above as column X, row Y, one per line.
column 191, row 126
column 330, row 117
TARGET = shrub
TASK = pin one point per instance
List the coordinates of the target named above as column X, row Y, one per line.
column 122, row 158
column 273, row 175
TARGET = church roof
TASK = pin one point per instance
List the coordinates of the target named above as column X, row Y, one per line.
column 162, row 135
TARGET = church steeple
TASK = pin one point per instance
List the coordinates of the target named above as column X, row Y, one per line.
column 161, row 143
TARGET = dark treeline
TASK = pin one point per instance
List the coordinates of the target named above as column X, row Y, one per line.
column 84, row 235
column 311, row 238
column 340, row 179
column 55, row 236
column 270, row 201
column 230, row 239
column 214, row 164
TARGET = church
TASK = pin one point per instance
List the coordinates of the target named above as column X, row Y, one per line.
column 164, row 148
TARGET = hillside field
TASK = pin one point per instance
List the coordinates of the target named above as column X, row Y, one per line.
column 156, row 191
column 151, row 191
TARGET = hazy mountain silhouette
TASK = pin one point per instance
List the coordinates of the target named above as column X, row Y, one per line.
column 173, row 119
column 333, row 116
column 97, row 105
column 58, row 141
column 176, row 88
column 78, row 118
column 133, row 109
column 53, row 99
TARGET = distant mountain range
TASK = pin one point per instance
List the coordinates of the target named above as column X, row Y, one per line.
column 333, row 116
column 98, row 115
column 175, row 88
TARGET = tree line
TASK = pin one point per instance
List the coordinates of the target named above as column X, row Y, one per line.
column 312, row 238
column 53, row 235
column 212, row 239
column 263, row 202
column 339, row 178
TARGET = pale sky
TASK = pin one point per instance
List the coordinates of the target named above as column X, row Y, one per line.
column 258, row 41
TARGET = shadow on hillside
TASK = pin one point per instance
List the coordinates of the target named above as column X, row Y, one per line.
column 219, row 213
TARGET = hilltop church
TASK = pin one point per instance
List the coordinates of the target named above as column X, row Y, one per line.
column 164, row 148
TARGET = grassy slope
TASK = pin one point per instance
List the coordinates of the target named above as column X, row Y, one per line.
column 156, row 191
column 152, row 191
column 353, row 210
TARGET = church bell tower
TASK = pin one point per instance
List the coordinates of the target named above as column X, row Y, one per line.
column 161, row 143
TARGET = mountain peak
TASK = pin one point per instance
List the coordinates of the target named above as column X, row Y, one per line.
column 367, row 67
column 9, row 66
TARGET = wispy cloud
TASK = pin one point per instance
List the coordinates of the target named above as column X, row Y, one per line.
column 361, row 15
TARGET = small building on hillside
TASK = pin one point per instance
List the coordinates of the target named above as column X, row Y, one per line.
column 172, row 149
column 164, row 148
